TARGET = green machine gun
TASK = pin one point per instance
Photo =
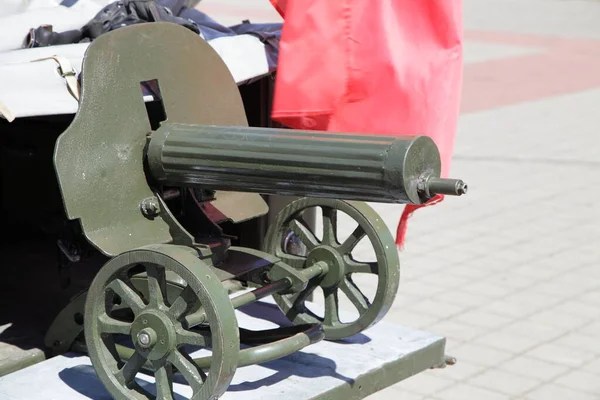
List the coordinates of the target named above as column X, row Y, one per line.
column 163, row 289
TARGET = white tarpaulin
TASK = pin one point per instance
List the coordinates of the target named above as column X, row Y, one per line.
column 34, row 88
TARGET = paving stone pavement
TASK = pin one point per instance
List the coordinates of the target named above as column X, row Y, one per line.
column 510, row 273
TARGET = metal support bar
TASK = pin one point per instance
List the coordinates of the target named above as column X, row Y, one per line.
column 278, row 286
column 249, row 356
column 200, row 316
column 260, row 293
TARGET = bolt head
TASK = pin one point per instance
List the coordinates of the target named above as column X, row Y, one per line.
column 144, row 339
column 150, row 207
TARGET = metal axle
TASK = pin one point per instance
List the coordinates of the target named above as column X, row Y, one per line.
column 278, row 286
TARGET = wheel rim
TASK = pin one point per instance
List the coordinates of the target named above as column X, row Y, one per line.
column 160, row 340
column 341, row 264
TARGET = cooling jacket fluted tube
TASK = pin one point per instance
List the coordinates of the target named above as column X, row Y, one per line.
column 378, row 168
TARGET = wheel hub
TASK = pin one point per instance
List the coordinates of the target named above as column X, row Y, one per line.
column 334, row 261
column 153, row 335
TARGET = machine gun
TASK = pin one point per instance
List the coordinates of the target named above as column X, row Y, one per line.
column 162, row 289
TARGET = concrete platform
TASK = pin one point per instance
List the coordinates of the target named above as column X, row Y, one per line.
column 352, row 369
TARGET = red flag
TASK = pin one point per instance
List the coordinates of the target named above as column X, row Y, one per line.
column 372, row 66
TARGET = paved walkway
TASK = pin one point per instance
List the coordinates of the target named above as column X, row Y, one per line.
column 510, row 273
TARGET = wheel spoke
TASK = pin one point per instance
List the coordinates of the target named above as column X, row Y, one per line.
column 298, row 300
column 354, row 267
column 127, row 295
column 332, row 302
column 355, row 295
column 183, row 303
column 305, row 235
column 107, row 324
column 298, row 306
column 329, row 226
column 307, row 315
column 193, row 338
column 190, row 371
column 164, row 382
column 157, row 285
column 294, row 261
column 352, row 240
column 126, row 375
column 111, row 348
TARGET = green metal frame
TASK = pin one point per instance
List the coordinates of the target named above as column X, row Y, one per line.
column 112, row 164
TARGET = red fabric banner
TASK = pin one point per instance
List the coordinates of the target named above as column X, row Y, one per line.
column 372, row 66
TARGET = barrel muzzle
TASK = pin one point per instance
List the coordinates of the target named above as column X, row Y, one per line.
column 430, row 185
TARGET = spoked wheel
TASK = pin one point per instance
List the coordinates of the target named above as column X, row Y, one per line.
column 342, row 266
column 152, row 333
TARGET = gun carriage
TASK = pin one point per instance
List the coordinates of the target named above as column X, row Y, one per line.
column 152, row 186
